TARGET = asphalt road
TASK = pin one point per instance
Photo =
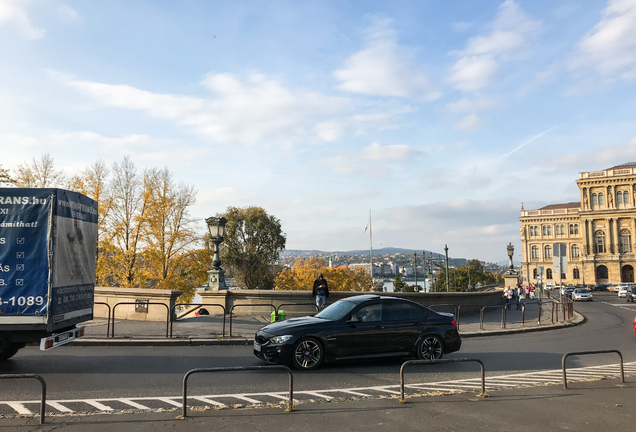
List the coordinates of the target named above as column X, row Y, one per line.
column 130, row 372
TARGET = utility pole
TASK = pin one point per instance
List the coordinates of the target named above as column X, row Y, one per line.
column 447, row 282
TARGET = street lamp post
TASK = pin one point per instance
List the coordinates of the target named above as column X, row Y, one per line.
column 216, row 276
column 447, row 282
column 415, row 268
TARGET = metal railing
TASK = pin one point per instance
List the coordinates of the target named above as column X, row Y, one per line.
column 195, row 304
column 43, row 385
column 107, row 319
column 459, row 311
column 290, row 401
column 565, row 379
column 503, row 315
column 296, row 304
column 112, row 333
column 251, row 305
column 439, row 361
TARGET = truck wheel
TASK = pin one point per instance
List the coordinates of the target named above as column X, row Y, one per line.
column 9, row 351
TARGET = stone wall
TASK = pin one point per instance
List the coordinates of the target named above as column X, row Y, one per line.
column 155, row 312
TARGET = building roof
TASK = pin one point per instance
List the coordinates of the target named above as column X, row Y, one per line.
column 625, row 165
column 562, row 206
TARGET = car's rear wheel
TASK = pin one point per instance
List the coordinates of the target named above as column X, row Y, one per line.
column 308, row 354
column 431, row 347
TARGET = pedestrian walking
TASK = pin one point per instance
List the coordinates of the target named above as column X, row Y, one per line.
column 320, row 291
column 507, row 294
column 517, row 294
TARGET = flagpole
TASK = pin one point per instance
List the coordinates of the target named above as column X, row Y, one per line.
column 371, row 244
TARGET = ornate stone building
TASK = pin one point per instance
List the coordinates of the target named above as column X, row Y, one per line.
column 597, row 231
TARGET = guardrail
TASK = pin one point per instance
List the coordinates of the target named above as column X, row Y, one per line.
column 459, row 311
column 290, row 401
column 565, row 379
column 196, row 304
column 503, row 315
column 42, row 383
column 132, row 303
column 439, row 361
column 250, row 305
column 107, row 319
column 296, row 304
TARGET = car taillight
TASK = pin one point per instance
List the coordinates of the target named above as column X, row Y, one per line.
column 454, row 323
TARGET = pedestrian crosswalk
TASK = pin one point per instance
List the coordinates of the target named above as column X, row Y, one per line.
column 217, row 401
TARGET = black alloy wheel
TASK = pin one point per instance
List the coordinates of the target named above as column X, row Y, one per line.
column 430, row 348
column 308, row 354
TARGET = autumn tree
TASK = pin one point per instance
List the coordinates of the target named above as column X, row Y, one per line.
column 5, row 178
column 38, row 174
column 303, row 273
column 253, row 242
column 93, row 182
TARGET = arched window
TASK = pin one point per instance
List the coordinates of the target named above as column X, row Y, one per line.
column 619, row 197
column 549, row 229
column 548, row 274
column 547, row 252
column 571, row 229
column 576, row 228
column 599, row 242
column 535, row 251
column 534, row 273
column 575, row 251
column 575, row 273
column 625, row 241
column 625, row 197
column 601, row 272
column 594, row 200
column 545, row 230
column 600, row 199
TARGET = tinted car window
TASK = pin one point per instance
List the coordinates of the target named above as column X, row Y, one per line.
column 404, row 311
column 369, row 313
column 337, row 310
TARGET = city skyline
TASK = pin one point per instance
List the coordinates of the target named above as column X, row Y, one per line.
column 442, row 119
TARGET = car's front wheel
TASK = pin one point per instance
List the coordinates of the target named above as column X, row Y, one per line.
column 308, row 354
column 431, row 347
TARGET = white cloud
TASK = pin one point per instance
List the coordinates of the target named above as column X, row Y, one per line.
column 610, row 47
column 396, row 153
column 470, row 122
column 475, row 105
column 67, row 13
column 511, row 32
column 385, row 68
column 257, row 111
column 15, row 12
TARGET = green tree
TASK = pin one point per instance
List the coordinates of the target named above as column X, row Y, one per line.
column 253, row 242
column 399, row 284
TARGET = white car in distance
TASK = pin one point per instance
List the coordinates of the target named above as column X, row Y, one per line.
column 582, row 294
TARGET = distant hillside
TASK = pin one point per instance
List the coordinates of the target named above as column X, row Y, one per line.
column 381, row 251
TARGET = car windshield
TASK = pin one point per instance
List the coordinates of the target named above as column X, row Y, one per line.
column 580, row 290
column 336, row 311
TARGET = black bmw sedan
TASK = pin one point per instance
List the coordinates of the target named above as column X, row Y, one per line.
column 364, row 326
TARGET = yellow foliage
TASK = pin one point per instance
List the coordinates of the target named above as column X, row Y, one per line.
column 304, row 272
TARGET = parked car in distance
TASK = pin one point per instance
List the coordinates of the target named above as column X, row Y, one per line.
column 364, row 326
column 623, row 287
column 549, row 286
column 601, row 287
column 582, row 294
column 631, row 294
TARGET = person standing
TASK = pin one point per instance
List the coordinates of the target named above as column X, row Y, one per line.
column 320, row 291
column 507, row 294
column 518, row 296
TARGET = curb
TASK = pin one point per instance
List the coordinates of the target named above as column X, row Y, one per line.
column 577, row 320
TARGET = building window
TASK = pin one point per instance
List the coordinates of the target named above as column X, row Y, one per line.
column 575, row 251
column 576, row 228
column 625, row 197
column 601, row 272
column 549, row 229
column 534, row 273
column 625, row 241
column 571, row 229
column 533, row 231
column 575, row 273
column 535, row 252
column 599, row 242
column 547, row 252
column 619, row 197
column 545, row 230
column 594, row 200
column 600, row 199
column 548, row 274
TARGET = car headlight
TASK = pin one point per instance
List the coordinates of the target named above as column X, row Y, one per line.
column 280, row 339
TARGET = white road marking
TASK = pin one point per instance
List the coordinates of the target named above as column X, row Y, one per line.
column 493, row 383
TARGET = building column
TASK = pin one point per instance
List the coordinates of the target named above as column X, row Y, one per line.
column 587, row 237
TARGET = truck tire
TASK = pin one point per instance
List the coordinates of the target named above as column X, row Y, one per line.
column 8, row 351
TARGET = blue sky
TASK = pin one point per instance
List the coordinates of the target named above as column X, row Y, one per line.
column 439, row 117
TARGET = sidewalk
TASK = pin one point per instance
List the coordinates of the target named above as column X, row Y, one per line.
column 208, row 330
column 586, row 406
